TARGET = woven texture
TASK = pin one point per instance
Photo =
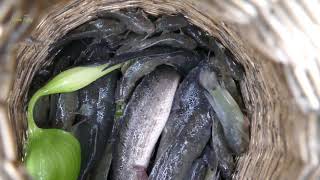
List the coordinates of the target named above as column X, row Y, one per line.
column 283, row 134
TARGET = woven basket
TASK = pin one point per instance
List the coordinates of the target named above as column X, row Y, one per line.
column 279, row 102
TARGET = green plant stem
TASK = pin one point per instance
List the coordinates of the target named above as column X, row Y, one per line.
column 32, row 127
column 45, row 90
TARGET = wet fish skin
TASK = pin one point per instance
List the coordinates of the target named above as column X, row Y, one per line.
column 221, row 149
column 126, row 66
column 40, row 79
column 62, row 60
column 230, row 85
column 101, row 171
column 178, row 157
column 235, row 125
column 181, row 60
column 170, row 39
column 187, row 100
column 97, row 51
column 209, row 155
column 104, row 168
column 135, row 20
column 95, row 121
column 132, row 37
column 41, row 112
column 87, row 134
column 99, row 29
column 200, row 166
column 133, row 56
column 236, row 69
column 62, row 64
column 188, row 144
column 144, row 118
column 63, row 109
column 64, row 57
column 200, row 36
column 100, row 52
column 223, row 59
column 198, row 170
column 169, row 23
column 153, row 157
column 107, row 26
column 212, row 174
column 103, row 25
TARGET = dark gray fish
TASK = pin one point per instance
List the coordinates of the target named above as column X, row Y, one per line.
column 65, row 57
column 40, row 79
column 107, row 26
column 198, row 170
column 236, row 69
column 209, row 155
column 235, row 124
column 63, row 109
column 103, row 168
column 223, row 154
column 170, row 39
column 41, row 112
column 62, row 60
column 171, row 23
column 150, row 52
column 126, row 66
column 89, row 136
column 97, row 51
column 101, row 172
column 144, row 118
column 175, row 162
column 228, row 83
column 213, row 174
column 187, row 144
column 225, row 63
column 62, row 64
column 95, row 121
column 132, row 37
column 181, row 60
column 201, row 165
column 188, row 101
column 106, row 29
column 135, row 20
column 200, row 36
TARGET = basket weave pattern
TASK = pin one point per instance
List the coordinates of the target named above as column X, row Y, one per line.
column 282, row 136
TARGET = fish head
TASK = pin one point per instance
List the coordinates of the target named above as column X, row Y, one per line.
column 208, row 78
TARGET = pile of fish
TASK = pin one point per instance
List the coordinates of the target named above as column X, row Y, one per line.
column 173, row 111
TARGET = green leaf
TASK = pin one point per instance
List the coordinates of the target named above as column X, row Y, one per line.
column 68, row 81
column 76, row 78
column 52, row 154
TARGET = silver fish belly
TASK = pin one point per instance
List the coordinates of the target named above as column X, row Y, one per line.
column 143, row 120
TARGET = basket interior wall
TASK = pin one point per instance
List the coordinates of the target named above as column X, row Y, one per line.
column 274, row 150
